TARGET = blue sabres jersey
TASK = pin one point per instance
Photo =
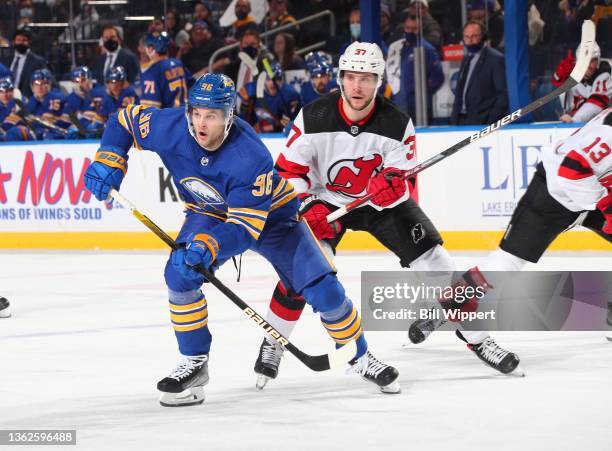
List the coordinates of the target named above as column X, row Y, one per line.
column 308, row 93
column 49, row 108
column 86, row 107
column 237, row 183
column 265, row 114
column 111, row 104
column 8, row 116
column 164, row 84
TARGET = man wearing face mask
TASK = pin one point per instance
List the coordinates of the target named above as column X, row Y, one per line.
column 244, row 67
column 400, row 68
column 355, row 30
column 24, row 61
column 114, row 55
column 481, row 94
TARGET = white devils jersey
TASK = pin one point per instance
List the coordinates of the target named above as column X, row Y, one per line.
column 586, row 99
column 579, row 168
column 328, row 155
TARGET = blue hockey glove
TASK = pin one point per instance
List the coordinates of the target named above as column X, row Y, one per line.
column 201, row 250
column 72, row 132
column 106, row 172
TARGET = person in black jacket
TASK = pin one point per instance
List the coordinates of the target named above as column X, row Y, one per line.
column 481, row 95
column 23, row 62
column 114, row 55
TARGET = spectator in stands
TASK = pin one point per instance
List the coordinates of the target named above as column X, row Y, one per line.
column 119, row 93
column 400, row 68
column 24, row 61
column 175, row 30
column 278, row 14
column 113, row 55
column 284, row 50
column 243, row 68
column 432, row 32
column 202, row 10
column 243, row 22
column 386, row 23
column 12, row 126
column 272, row 110
column 355, row 31
column 491, row 14
column 196, row 52
column 4, row 71
column 481, row 94
column 46, row 104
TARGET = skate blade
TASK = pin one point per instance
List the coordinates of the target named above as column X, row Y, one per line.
column 189, row 397
column 392, row 389
column 5, row 313
column 516, row 372
column 261, row 381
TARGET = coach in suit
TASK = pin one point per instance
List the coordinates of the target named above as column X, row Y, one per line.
column 113, row 55
column 23, row 62
column 481, row 96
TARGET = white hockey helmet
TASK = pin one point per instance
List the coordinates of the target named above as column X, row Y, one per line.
column 362, row 57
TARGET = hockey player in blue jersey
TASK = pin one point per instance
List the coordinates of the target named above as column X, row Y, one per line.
column 322, row 81
column 235, row 200
column 12, row 126
column 81, row 106
column 275, row 109
column 163, row 82
column 119, row 93
column 46, row 104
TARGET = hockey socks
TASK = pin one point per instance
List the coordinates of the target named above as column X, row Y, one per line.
column 285, row 310
column 189, row 315
column 343, row 324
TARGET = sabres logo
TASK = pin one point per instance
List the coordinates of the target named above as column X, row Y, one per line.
column 205, row 194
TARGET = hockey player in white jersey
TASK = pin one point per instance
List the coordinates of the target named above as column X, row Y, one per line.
column 572, row 186
column 588, row 98
column 342, row 146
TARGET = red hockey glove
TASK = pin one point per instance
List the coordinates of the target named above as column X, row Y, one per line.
column 315, row 212
column 388, row 188
column 605, row 206
column 564, row 69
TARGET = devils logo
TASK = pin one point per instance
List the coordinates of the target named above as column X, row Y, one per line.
column 350, row 177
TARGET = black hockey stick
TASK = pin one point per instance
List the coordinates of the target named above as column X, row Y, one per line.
column 29, row 118
column 336, row 358
column 583, row 59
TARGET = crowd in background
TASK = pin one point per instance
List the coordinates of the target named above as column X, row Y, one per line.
column 154, row 62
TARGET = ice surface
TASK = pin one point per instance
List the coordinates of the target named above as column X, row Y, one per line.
column 90, row 338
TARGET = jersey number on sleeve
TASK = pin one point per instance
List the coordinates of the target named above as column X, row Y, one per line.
column 599, row 154
column 263, row 185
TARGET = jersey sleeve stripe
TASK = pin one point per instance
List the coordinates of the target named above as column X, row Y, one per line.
column 574, row 167
column 153, row 103
column 255, row 234
column 256, row 223
column 599, row 100
column 248, row 212
column 291, row 167
column 282, row 200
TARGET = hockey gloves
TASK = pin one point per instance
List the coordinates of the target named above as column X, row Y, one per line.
column 106, row 172
column 315, row 212
column 564, row 69
column 201, row 250
column 605, row 206
column 389, row 189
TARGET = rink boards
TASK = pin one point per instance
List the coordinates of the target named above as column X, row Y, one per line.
column 469, row 197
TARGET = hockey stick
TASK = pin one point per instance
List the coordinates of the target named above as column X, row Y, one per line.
column 339, row 357
column 582, row 63
column 29, row 118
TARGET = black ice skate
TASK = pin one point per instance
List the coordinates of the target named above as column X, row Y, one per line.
column 423, row 328
column 608, row 319
column 267, row 362
column 5, row 310
column 496, row 357
column 185, row 385
column 373, row 370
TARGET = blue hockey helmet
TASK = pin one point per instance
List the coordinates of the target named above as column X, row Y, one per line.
column 79, row 73
column 216, row 91
column 159, row 41
column 277, row 71
column 115, row 74
column 41, row 75
column 318, row 63
column 6, row 84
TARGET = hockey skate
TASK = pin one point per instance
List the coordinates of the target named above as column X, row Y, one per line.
column 423, row 328
column 5, row 308
column 496, row 357
column 185, row 385
column 373, row 370
column 267, row 362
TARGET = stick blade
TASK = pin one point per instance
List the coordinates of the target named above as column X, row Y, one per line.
column 585, row 51
column 341, row 356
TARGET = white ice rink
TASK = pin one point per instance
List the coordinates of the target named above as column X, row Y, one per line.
column 90, row 338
